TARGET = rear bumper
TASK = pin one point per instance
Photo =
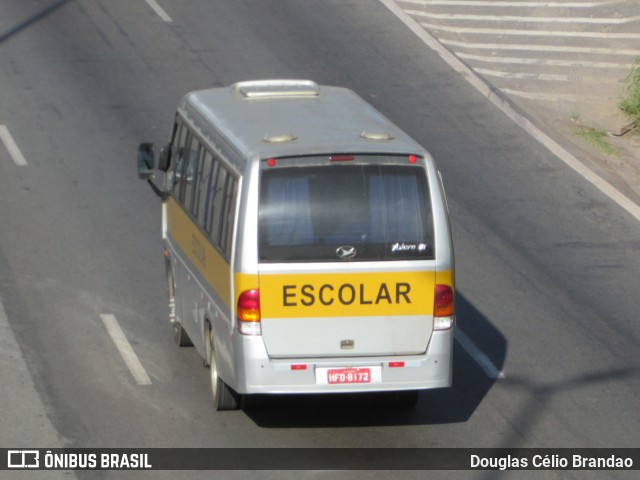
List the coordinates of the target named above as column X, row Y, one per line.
column 256, row 373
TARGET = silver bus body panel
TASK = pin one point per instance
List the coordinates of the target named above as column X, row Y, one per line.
column 367, row 336
column 260, row 374
column 380, row 335
column 196, row 303
column 246, row 254
column 336, row 119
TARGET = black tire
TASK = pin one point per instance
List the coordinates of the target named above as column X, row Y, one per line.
column 180, row 336
column 224, row 397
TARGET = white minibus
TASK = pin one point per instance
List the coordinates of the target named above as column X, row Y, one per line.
column 307, row 244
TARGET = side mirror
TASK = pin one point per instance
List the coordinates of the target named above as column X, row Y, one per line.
column 164, row 162
column 146, row 161
column 146, row 167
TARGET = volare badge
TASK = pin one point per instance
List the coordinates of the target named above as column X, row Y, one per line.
column 346, row 252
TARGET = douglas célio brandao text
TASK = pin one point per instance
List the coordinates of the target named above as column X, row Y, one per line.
column 550, row 461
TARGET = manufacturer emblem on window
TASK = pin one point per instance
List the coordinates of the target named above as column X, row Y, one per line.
column 346, row 252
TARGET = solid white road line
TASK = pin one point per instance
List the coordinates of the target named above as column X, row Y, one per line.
column 24, row 421
column 518, row 4
column 500, row 102
column 541, row 48
column 12, row 147
column 524, row 19
column 530, row 33
column 481, row 359
column 548, row 97
column 537, row 76
column 124, row 347
column 545, row 62
column 159, row 10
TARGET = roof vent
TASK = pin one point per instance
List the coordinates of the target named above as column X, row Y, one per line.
column 277, row 88
column 283, row 138
column 377, row 136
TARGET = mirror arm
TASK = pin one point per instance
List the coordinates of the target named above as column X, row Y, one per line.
column 159, row 192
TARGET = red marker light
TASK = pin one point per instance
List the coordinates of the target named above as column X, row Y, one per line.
column 413, row 159
column 341, row 158
column 443, row 304
column 249, row 306
column 249, row 313
column 271, row 162
column 396, row 364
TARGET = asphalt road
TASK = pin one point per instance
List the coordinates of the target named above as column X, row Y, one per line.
column 548, row 269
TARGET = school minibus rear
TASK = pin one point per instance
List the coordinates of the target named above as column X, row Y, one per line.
column 338, row 272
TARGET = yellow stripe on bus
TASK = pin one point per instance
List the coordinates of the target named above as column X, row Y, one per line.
column 348, row 294
column 445, row 277
column 307, row 295
column 209, row 263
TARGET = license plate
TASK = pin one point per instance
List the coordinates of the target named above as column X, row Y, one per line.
column 348, row 375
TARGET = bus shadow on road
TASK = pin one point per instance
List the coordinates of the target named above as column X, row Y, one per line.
column 441, row 406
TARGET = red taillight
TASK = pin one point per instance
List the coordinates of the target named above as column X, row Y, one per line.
column 443, row 304
column 249, row 312
column 341, row 158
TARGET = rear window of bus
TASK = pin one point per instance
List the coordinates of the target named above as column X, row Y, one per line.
column 351, row 212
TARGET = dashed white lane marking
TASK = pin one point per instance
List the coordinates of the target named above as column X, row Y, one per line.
column 481, row 359
column 159, row 10
column 12, row 147
column 124, row 347
column 553, row 146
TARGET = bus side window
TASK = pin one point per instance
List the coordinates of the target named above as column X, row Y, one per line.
column 204, row 187
column 189, row 178
column 211, row 206
column 179, row 147
column 229, row 216
column 218, row 205
column 169, row 174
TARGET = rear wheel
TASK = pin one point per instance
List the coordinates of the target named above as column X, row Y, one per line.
column 224, row 397
column 180, row 336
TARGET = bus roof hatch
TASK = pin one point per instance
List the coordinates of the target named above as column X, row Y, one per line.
column 277, row 88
